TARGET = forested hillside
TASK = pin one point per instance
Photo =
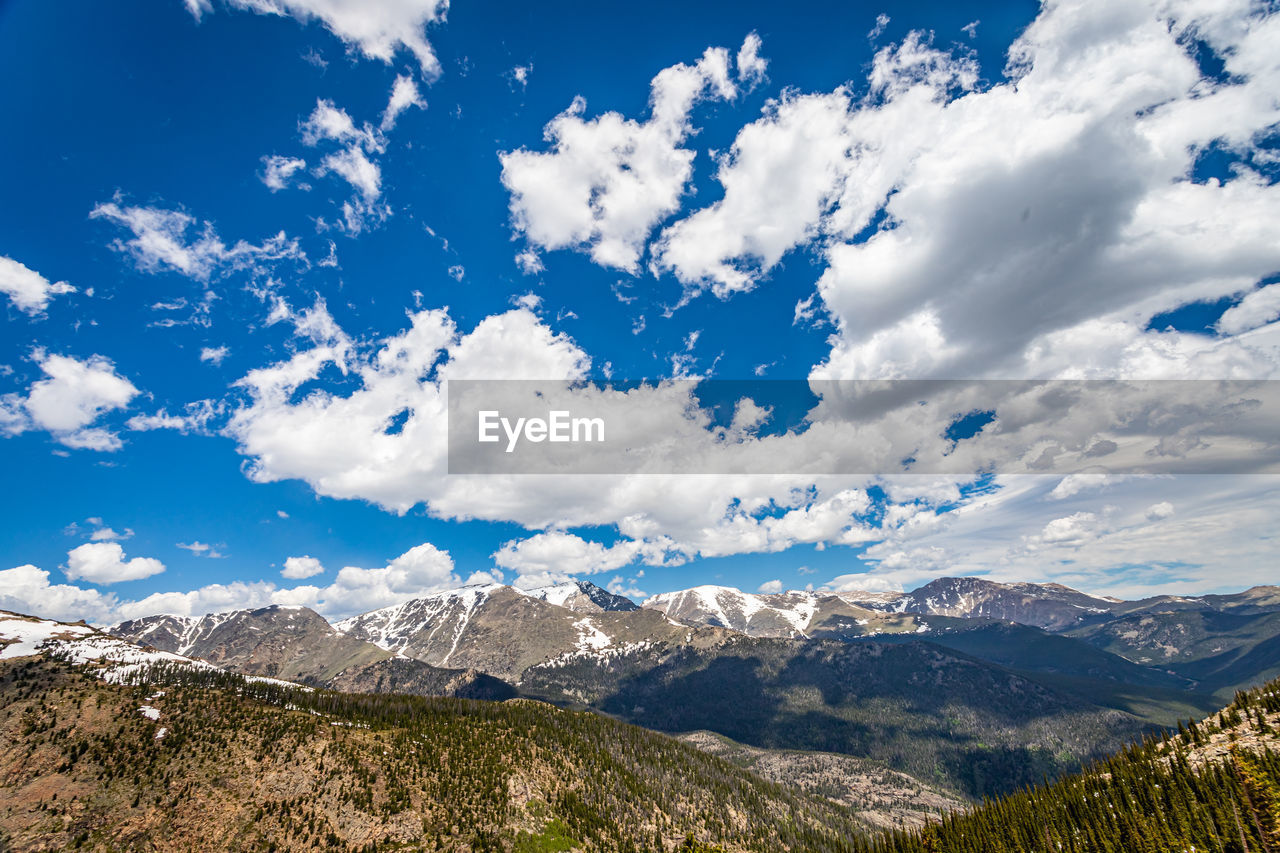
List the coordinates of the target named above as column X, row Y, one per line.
column 1213, row 786
column 189, row 760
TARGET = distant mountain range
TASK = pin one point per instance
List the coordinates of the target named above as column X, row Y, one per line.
column 974, row 685
column 143, row 747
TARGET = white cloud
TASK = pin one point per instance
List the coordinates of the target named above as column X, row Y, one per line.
column 68, row 400
column 1135, row 545
column 27, row 289
column 301, row 567
column 378, row 30
column 1027, row 228
column 772, row 587
column 214, row 355
column 104, row 563
column 562, row 554
column 196, row 418
column 1074, row 484
column 330, row 122
column 751, row 66
column 519, row 76
column 26, row 589
column 1258, row 308
column 202, row 549
column 355, row 168
column 106, row 534
column 355, row 160
column 163, row 239
column 278, row 171
column 627, row 587
column 404, row 94
column 606, row 182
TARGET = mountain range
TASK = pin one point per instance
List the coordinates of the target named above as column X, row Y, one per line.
column 971, row 685
column 111, row 745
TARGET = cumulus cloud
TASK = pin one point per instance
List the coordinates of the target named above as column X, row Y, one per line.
column 1134, row 545
column 71, row 397
column 26, row 589
column 301, row 567
column 173, row 240
column 377, row 30
column 27, row 289
column 772, row 587
column 104, row 563
column 1031, row 227
column 1258, row 308
column 420, row 570
column 560, row 554
column 607, row 181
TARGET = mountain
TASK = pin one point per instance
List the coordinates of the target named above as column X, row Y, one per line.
column 114, row 659
column 1044, row 605
column 939, row 715
column 297, row 644
column 581, row 597
column 503, row 631
column 1213, row 786
column 793, row 614
column 881, row 798
column 1210, row 644
column 210, row 761
column 788, row 614
column 292, row 643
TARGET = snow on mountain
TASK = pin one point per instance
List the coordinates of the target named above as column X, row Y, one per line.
column 787, row 614
column 117, row 659
column 581, row 597
column 443, row 614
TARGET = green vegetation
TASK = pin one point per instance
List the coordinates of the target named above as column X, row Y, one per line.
column 943, row 717
column 247, row 765
column 1214, row 786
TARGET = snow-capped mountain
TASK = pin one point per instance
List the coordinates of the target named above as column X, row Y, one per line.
column 1051, row 606
column 296, row 643
column 503, row 631
column 856, row 613
column 581, row 597
column 285, row 642
column 787, row 614
column 115, row 658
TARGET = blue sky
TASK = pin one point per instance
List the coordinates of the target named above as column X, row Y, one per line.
column 214, row 220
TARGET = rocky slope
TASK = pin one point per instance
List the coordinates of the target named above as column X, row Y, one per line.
column 502, row 631
column 297, row 644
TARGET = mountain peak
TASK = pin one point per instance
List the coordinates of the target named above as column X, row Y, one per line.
column 581, row 597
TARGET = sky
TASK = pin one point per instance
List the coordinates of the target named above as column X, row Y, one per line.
column 246, row 244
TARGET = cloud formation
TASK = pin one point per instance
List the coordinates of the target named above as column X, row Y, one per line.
column 104, row 563
column 378, row 29
column 607, row 181
column 67, row 402
column 29, row 291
